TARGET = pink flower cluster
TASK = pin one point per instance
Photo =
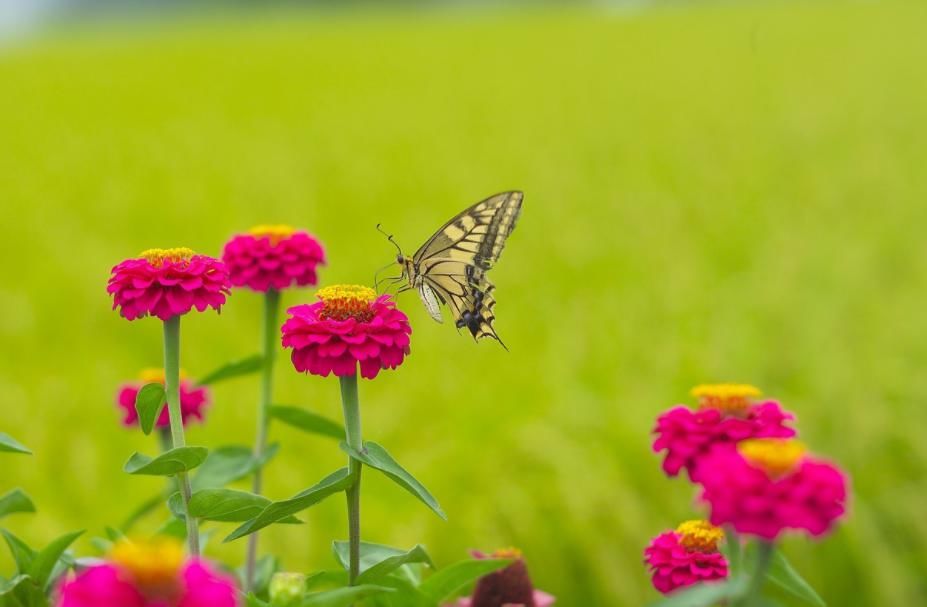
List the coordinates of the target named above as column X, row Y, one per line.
column 273, row 257
column 349, row 326
column 193, row 402
column 167, row 283
column 756, row 500
column 689, row 436
column 674, row 565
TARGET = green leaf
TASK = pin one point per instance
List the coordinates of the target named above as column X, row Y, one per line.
column 22, row 554
column 447, row 582
column 173, row 527
column 148, row 403
column 782, row 574
column 253, row 601
column 228, row 464
column 333, row 483
column 44, row 561
column 227, row 505
column 704, row 595
column 10, row 444
column 236, row 368
column 169, row 463
column 376, row 456
column 15, row 501
column 307, row 421
column 343, row 597
column 266, row 567
column 377, row 560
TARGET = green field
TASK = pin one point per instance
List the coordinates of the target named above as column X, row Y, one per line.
column 714, row 192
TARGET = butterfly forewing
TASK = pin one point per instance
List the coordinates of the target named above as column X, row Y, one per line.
column 453, row 263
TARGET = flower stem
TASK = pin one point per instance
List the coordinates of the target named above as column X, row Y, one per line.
column 352, row 429
column 736, row 550
column 172, row 389
column 758, row 579
column 269, row 349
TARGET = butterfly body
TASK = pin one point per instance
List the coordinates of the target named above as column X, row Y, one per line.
column 450, row 268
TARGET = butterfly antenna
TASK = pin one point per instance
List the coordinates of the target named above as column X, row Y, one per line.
column 389, row 237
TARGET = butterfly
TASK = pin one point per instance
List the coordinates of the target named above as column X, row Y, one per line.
column 450, row 268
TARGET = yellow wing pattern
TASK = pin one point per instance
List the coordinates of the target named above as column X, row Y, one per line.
column 453, row 263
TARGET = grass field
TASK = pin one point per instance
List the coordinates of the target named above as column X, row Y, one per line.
column 713, row 192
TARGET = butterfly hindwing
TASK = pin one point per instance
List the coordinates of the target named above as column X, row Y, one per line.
column 453, row 263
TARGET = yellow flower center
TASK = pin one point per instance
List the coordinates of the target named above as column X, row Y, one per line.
column 155, row 375
column 507, row 553
column 728, row 398
column 275, row 233
column 341, row 302
column 158, row 257
column 776, row 456
column 154, row 565
column 700, row 535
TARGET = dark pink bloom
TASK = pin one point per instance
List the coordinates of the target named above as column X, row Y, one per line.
column 273, row 257
column 768, row 486
column 167, row 283
column 508, row 587
column 109, row 585
column 689, row 436
column 349, row 326
column 677, row 559
column 193, row 400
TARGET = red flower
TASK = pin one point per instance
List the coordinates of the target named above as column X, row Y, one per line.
column 273, row 257
column 149, row 575
column 727, row 415
column 349, row 326
column 686, row 556
column 767, row 486
column 508, row 587
column 193, row 400
column 166, row 283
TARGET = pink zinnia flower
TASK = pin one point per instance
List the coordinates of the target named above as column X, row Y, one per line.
column 273, row 257
column 149, row 575
column 686, row 556
column 727, row 414
column 767, row 486
column 193, row 399
column 166, row 283
column 349, row 325
column 508, row 587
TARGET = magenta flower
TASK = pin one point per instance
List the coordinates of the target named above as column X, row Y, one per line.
column 347, row 327
column 273, row 257
column 508, row 587
column 727, row 415
column 768, row 486
column 193, row 399
column 149, row 575
column 686, row 556
column 167, row 283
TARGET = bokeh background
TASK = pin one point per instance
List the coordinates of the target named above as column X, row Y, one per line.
column 714, row 192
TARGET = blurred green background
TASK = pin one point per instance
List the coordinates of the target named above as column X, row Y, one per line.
column 714, row 192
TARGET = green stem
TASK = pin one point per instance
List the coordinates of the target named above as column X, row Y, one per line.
column 269, row 349
column 758, row 579
column 172, row 388
column 352, row 429
column 736, row 551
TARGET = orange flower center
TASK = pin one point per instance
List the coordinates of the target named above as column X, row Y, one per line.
column 507, row 553
column 154, row 565
column 728, row 398
column 341, row 302
column 158, row 257
column 700, row 535
column 275, row 233
column 776, row 456
column 154, row 375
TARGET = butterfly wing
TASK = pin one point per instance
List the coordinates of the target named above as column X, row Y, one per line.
column 453, row 263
